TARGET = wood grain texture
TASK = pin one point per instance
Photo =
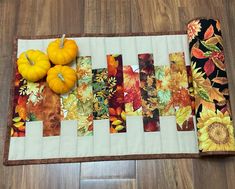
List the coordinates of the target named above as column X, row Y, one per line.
column 230, row 56
column 108, row 184
column 42, row 17
column 8, row 16
column 107, row 16
column 210, row 173
column 108, row 170
column 165, row 174
column 45, row 17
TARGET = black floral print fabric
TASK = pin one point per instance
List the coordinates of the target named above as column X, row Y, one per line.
column 213, row 115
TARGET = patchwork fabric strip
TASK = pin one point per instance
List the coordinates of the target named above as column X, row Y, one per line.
column 70, row 105
column 191, row 89
column 132, row 95
column 213, row 114
column 35, row 102
column 100, row 92
column 51, row 111
column 19, row 116
column 164, row 90
column 148, row 93
column 181, row 97
column 44, row 105
column 85, row 96
column 116, row 94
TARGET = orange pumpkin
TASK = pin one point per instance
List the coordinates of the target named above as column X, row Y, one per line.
column 33, row 65
column 62, row 51
column 61, row 79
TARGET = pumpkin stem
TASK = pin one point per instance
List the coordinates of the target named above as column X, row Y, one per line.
column 30, row 61
column 60, row 76
column 62, row 41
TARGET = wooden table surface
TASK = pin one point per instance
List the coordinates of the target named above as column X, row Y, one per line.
column 43, row 17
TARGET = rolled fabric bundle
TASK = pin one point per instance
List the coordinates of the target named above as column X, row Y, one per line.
column 212, row 104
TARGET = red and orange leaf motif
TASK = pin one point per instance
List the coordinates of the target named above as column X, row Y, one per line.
column 132, row 93
column 196, row 52
column 209, row 67
column 116, row 94
column 209, row 32
column 112, row 65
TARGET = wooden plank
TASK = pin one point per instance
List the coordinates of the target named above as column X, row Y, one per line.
column 229, row 172
column 50, row 17
column 154, row 16
column 108, row 184
column 42, row 176
column 5, row 80
column 7, row 30
column 8, row 12
column 164, row 174
column 3, row 175
column 107, row 16
column 108, row 170
column 209, row 173
column 228, row 23
column 229, row 39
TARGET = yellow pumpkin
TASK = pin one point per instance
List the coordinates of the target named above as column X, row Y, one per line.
column 33, row 65
column 62, row 51
column 61, row 79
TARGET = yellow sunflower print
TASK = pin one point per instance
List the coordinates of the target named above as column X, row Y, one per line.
column 215, row 131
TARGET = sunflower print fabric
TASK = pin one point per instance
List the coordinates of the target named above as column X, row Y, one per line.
column 213, row 114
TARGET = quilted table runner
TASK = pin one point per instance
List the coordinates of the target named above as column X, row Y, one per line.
column 137, row 96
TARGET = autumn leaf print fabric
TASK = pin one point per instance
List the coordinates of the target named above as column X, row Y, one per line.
column 149, row 93
column 173, row 92
column 84, row 96
column 182, row 100
column 100, row 93
column 78, row 103
column 116, row 94
column 132, row 95
column 213, row 114
column 51, row 112
column 35, row 102
column 19, row 116
column 164, row 90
